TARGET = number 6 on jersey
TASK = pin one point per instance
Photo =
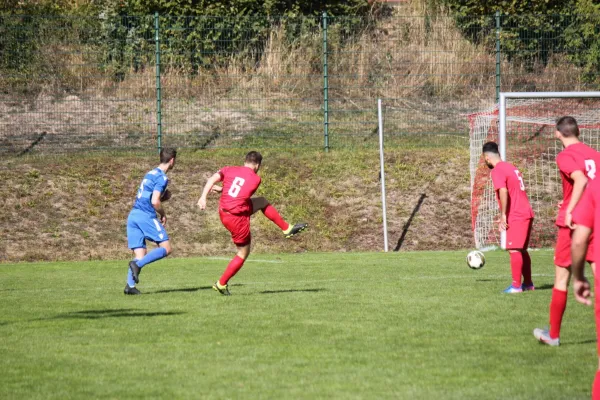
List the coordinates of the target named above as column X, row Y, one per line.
column 236, row 186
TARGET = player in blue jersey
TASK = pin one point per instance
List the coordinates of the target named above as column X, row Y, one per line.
column 143, row 222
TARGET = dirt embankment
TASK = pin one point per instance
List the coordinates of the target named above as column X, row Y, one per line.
column 75, row 208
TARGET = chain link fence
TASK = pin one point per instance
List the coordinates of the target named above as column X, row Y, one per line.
column 139, row 83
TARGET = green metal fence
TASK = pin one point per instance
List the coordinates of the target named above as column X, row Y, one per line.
column 139, row 83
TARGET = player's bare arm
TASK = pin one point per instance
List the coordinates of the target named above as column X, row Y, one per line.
column 579, row 245
column 207, row 188
column 157, row 204
column 579, row 182
column 503, row 195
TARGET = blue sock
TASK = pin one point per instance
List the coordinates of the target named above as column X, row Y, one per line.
column 154, row 255
column 130, row 281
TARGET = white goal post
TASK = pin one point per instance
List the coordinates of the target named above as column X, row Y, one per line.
column 523, row 124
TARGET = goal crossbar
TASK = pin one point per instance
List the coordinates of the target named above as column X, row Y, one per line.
column 523, row 125
column 528, row 95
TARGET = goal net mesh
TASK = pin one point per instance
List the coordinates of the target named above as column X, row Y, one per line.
column 532, row 147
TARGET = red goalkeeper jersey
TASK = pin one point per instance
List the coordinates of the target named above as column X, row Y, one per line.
column 576, row 157
column 239, row 184
column 506, row 175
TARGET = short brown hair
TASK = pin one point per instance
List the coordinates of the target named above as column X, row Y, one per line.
column 567, row 126
column 254, row 157
column 166, row 154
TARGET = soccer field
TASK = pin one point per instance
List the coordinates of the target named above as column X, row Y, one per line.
column 350, row 325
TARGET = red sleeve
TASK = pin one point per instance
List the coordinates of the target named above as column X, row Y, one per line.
column 583, row 214
column 498, row 178
column 567, row 164
column 222, row 172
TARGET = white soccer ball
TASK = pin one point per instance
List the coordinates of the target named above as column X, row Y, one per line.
column 475, row 259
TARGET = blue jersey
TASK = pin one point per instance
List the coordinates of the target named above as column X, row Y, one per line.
column 154, row 180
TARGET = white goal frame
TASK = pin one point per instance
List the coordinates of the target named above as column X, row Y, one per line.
column 527, row 95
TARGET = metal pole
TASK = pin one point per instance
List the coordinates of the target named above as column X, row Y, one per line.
column 497, row 56
column 325, row 85
column 381, row 166
column 158, row 87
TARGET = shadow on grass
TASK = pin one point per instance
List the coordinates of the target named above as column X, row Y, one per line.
column 406, row 227
column 547, row 286
column 291, row 291
column 118, row 313
column 589, row 341
column 181, row 290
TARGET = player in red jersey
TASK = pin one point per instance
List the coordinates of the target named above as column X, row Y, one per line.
column 235, row 208
column 586, row 218
column 576, row 163
column 516, row 216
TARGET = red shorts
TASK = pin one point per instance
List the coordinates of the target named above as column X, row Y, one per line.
column 518, row 233
column 238, row 225
column 562, row 253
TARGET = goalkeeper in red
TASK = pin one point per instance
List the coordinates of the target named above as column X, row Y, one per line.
column 235, row 208
column 577, row 164
column 516, row 216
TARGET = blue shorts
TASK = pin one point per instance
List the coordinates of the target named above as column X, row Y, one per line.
column 141, row 226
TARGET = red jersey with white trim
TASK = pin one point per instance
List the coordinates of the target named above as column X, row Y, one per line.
column 239, row 184
column 506, row 175
column 576, row 157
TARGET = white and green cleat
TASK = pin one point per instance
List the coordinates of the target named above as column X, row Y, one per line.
column 294, row 230
column 543, row 336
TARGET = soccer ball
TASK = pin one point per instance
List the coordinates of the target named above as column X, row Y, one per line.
column 475, row 259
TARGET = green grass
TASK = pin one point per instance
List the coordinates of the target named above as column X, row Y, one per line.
column 311, row 325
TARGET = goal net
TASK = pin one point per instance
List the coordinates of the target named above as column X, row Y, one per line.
column 523, row 125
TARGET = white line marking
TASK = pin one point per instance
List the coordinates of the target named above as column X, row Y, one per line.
column 250, row 283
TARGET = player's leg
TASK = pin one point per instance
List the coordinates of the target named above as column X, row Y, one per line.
column 596, row 384
column 232, row 268
column 239, row 227
column 516, row 268
column 527, row 281
column 137, row 243
column 154, row 231
column 562, row 276
column 289, row 230
column 516, row 239
column 558, row 304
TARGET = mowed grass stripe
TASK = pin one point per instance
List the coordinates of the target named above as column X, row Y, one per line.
column 344, row 325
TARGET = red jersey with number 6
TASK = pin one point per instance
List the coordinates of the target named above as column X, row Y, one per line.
column 239, row 184
column 576, row 157
column 506, row 175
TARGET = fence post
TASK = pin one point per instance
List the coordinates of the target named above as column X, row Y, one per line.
column 325, row 85
column 158, row 87
column 497, row 56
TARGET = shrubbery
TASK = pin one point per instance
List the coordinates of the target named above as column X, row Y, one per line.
column 534, row 31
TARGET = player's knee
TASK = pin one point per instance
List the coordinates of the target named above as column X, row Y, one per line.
column 167, row 247
column 259, row 203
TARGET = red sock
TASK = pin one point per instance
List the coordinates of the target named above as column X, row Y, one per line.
column 516, row 267
column 526, row 268
column 271, row 213
column 558, row 306
column 232, row 268
column 596, row 387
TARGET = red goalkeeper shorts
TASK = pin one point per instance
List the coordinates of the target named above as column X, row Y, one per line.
column 238, row 225
column 562, row 253
column 518, row 234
